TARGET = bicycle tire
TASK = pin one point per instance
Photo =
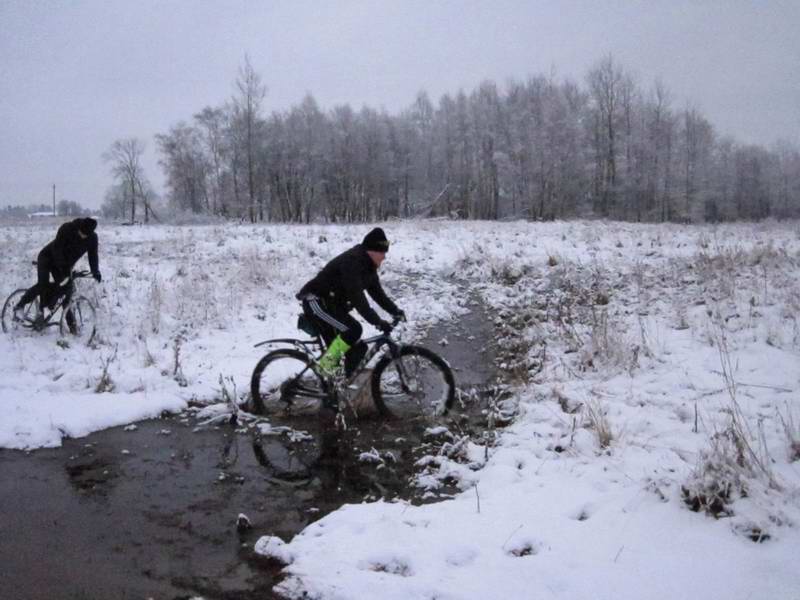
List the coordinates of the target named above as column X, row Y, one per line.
column 7, row 317
column 425, row 373
column 84, row 327
column 271, row 392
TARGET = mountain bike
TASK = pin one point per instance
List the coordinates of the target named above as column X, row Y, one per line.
column 406, row 382
column 72, row 313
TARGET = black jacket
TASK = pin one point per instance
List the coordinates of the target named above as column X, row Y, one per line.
column 64, row 251
column 343, row 281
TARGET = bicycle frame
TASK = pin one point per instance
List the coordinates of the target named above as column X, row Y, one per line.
column 334, row 383
column 63, row 298
column 374, row 345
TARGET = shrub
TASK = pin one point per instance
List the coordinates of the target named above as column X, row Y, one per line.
column 719, row 477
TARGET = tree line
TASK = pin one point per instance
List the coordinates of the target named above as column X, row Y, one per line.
column 538, row 149
column 64, row 208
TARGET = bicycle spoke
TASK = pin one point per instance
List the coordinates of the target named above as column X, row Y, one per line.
column 284, row 382
column 415, row 384
column 78, row 320
column 26, row 320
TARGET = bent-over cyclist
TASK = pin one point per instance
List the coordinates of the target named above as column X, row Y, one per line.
column 73, row 239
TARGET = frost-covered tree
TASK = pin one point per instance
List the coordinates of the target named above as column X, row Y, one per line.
column 70, row 208
column 606, row 82
column 212, row 123
column 115, row 201
column 539, row 149
column 247, row 126
column 187, row 168
column 697, row 143
column 125, row 156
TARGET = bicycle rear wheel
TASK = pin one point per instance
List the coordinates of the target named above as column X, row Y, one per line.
column 417, row 383
column 29, row 312
column 285, row 382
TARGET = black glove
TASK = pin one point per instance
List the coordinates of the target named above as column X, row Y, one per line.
column 97, row 277
column 400, row 315
column 385, row 327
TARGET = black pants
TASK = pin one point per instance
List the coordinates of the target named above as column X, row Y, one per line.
column 46, row 290
column 331, row 322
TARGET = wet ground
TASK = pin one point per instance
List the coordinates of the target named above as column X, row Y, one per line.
column 152, row 512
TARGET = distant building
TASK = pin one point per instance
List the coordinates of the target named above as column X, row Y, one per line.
column 38, row 215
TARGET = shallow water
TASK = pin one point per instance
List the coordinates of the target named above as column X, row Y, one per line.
column 151, row 513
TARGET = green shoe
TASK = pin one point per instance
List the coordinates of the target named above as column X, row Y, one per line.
column 330, row 361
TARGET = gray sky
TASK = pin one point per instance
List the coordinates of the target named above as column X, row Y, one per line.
column 76, row 75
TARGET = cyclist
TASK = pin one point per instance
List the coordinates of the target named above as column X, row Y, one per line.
column 330, row 296
column 73, row 240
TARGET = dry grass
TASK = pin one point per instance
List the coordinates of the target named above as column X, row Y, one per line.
column 104, row 382
column 736, row 456
column 596, row 419
column 177, row 368
column 155, row 304
column 792, row 431
column 719, row 477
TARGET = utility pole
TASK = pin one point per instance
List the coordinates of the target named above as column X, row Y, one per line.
column 54, row 199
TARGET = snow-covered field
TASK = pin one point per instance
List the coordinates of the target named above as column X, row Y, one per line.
column 655, row 369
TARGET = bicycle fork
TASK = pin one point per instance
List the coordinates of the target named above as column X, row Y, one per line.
column 402, row 372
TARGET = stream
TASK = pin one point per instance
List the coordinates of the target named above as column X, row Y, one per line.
column 151, row 511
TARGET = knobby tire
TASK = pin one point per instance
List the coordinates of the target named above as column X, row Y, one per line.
column 274, row 370
column 431, row 385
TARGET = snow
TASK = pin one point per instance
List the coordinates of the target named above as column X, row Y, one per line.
column 659, row 336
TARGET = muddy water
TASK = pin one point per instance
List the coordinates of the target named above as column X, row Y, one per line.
column 151, row 513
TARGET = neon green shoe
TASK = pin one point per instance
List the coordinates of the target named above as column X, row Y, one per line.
column 330, row 361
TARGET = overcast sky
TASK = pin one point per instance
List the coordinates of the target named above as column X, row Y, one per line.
column 77, row 75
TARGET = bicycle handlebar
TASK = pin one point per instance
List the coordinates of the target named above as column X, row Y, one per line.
column 396, row 320
column 79, row 274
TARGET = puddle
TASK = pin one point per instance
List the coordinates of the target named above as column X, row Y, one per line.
column 136, row 514
column 152, row 513
column 391, row 448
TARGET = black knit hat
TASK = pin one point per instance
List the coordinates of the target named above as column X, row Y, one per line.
column 376, row 240
column 87, row 225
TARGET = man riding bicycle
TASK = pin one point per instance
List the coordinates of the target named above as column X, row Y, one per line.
column 72, row 241
column 330, row 296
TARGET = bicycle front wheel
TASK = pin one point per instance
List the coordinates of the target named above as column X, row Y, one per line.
column 29, row 313
column 285, row 382
column 417, row 383
column 79, row 320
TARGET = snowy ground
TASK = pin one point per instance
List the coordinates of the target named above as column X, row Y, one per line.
column 654, row 368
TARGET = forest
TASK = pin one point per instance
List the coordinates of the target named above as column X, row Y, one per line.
column 542, row 149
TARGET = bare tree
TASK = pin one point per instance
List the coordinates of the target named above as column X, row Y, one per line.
column 186, row 167
column 115, row 201
column 212, row 123
column 247, row 122
column 542, row 149
column 697, row 139
column 752, row 187
column 125, row 155
column 606, row 81
column 785, row 173
column 70, row 208
column 660, row 125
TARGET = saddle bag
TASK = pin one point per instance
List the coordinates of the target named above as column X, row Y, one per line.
column 305, row 324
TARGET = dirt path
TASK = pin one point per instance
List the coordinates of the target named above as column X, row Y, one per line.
column 151, row 513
